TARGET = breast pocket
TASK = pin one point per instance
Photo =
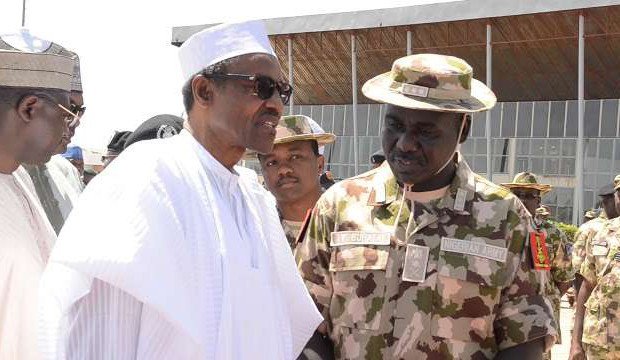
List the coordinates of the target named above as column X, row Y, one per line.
column 358, row 278
column 468, row 288
column 602, row 320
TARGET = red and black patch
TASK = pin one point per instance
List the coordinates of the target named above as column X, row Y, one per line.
column 304, row 228
column 538, row 246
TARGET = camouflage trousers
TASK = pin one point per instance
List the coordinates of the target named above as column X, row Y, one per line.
column 601, row 353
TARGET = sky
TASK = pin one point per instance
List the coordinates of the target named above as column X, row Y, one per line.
column 130, row 71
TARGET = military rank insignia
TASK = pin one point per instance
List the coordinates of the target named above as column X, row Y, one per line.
column 538, row 246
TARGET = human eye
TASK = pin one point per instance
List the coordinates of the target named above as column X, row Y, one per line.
column 270, row 163
column 394, row 123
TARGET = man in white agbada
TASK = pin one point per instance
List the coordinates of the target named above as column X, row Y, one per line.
column 34, row 89
column 192, row 263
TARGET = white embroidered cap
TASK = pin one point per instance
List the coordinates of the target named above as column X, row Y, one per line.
column 222, row 42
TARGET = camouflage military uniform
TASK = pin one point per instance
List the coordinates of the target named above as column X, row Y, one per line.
column 352, row 260
column 561, row 267
column 601, row 327
column 585, row 233
column 291, row 230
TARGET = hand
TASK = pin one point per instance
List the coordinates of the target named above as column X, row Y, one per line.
column 576, row 352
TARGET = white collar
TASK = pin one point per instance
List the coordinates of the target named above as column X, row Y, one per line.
column 225, row 177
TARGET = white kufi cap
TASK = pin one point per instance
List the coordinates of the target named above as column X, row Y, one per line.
column 222, row 42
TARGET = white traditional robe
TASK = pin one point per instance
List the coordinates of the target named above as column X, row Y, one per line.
column 58, row 186
column 190, row 263
column 25, row 241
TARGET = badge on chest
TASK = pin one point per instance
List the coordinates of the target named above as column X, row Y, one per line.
column 416, row 260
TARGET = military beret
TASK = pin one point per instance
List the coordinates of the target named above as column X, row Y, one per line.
column 157, row 127
column 117, row 144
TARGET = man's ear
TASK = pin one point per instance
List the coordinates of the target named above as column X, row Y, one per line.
column 27, row 107
column 466, row 128
column 203, row 90
column 321, row 162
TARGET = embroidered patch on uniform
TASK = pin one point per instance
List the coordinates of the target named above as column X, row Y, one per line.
column 416, row 260
column 538, row 246
column 599, row 249
column 459, row 200
column 477, row 248
column 359, row 238
column 414, row 90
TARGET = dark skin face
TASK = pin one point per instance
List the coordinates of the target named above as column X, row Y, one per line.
column 418, row 144
column 608, row 202
column 76, row 99
column 226, row 119
column 529, row 197
column 617, row 203
column 33, row 131
column 292, row 170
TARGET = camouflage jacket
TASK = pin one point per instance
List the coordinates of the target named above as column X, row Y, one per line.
column 585, row 233
column 601, row 324
column 291, row 230
column 561, row 266
column 477, row 294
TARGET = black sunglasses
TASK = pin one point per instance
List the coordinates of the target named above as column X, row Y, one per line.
column 264, row 86
column 77, row 109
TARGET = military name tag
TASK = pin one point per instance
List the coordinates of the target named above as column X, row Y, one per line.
column 468, row 247
column 459, row 200
column 359, row 238
column 599, row 249
column 416, row 259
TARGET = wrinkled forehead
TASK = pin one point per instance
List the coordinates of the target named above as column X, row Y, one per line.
column 525, row 191
column 421, row 116
column 257, row 63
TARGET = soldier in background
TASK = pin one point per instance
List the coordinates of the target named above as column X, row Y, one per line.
column 587, row 231
column 597, row 323
column 292, row 169
column 421, row 258
column 527, row 188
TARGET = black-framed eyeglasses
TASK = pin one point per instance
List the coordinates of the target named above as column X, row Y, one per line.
column 264, row 86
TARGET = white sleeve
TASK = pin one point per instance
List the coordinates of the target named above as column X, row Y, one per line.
column 104, row 324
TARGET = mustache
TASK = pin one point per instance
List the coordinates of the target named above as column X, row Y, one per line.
column 271, row 112
column 285, row 178
column 407, row 156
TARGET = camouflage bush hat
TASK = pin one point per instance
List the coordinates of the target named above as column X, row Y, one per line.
column 431, row 82
column 298, row 127
column 617, row 182
column 527, row 180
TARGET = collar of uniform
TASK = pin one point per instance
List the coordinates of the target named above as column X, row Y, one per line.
column 229, row 179
column 386, row 189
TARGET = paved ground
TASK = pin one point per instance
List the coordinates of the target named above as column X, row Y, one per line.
column 561, row 351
